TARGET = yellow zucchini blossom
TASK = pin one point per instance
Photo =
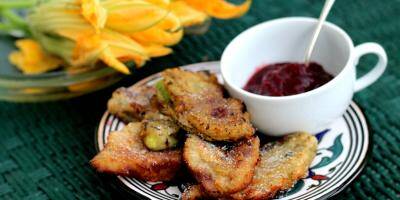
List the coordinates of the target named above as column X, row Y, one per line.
column 220, row 8
column 31, row 59
column 82, row 33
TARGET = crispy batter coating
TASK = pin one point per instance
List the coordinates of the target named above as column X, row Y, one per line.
column 282, row 164
column 198, row 105
column 194, row 192
column 187, row 85
column 125, row 154
column 130, row 104
column 221, row 172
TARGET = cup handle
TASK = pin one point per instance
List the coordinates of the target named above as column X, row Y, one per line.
column 377, row 71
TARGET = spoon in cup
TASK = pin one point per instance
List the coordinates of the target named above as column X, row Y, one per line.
column 324, row 13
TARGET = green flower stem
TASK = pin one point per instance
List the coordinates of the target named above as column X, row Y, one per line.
column 13, row 18
column 6, row 27
column 13, row 22
column 18, row 3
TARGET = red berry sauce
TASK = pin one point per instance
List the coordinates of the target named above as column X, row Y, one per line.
column 284, row 79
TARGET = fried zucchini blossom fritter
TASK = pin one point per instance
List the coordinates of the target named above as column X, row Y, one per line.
column 221, row 172
column 197, row 103
column 125, row 154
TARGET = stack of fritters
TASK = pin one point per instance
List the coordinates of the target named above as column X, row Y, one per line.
column 281, row 164
column 194, row 101
column 125, row 152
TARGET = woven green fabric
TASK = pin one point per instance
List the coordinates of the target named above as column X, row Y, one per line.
column 45, row 148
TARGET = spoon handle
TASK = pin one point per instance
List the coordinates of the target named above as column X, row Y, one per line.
column 325, row 11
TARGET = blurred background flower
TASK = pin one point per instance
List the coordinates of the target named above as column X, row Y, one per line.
column 83, row 33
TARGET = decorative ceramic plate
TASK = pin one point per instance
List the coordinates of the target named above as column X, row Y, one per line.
column 341, row 155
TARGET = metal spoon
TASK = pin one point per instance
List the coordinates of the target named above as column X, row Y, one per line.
column 325, row 11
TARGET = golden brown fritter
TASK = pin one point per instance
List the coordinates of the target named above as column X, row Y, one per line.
column 125, row 154
column 217, row 119
column 198, row 105
column 221, row 172
column 281, row 164
column 131, row 104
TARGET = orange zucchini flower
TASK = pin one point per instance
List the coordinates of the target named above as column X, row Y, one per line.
column 81, row 33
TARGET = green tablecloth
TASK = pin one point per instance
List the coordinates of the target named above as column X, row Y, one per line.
column 45, row 148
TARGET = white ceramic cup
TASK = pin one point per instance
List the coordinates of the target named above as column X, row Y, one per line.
column 286, row 40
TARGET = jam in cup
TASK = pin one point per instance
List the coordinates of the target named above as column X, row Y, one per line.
column 284, row 79
column 278, row 108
